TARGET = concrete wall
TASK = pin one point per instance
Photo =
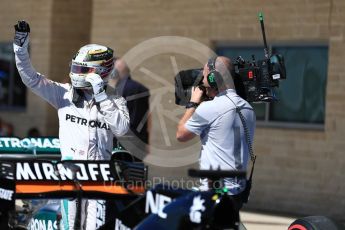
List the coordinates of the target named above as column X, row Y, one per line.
column 297, row 171
column 38, row 13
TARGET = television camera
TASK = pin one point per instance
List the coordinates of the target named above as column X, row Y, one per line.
column 254, row 80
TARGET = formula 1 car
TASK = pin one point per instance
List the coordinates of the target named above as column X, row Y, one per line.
column 161, row 207
column 121, row 182
column 166, row 207
column 30, row 171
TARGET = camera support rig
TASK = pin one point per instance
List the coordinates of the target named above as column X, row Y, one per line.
column 261, row 19
column 255, row 80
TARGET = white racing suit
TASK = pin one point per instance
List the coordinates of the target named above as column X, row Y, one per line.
column 86, row 132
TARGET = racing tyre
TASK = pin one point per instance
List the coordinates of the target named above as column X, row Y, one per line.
column 315, row 223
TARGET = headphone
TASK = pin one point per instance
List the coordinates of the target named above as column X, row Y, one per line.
column 214, row 78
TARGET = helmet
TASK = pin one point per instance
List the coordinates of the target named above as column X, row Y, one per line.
column 91, row 58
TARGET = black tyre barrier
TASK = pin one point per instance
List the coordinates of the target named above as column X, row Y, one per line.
column 315, row 223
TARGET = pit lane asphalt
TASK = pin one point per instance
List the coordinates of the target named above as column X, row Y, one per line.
column 263, row 221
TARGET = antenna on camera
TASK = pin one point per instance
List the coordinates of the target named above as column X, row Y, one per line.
column 261, row 19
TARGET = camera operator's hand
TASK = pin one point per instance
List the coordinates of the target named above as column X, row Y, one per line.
column 197, row 94
column 21, row 37
column 98, row 86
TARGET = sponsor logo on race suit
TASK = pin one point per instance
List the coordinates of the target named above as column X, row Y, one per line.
column 156, row 204
column 85, row 122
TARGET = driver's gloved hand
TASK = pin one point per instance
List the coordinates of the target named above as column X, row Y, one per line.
column 98, row 86
column 21, row 36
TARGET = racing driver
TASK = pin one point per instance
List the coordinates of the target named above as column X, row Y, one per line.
column 88, row 117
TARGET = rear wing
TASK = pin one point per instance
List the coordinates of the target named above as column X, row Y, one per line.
column 13, row 148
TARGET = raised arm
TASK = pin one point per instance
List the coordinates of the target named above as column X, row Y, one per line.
column 49, row 90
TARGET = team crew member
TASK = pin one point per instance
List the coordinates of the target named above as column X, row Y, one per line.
column 88, row 118
column 137, row 97
column 218, row 124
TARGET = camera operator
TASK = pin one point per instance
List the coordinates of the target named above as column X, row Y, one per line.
column 218, row 123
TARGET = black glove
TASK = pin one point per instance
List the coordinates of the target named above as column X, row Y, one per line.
column 22, row 30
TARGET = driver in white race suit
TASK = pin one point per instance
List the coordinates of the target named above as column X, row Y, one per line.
column 88, row 117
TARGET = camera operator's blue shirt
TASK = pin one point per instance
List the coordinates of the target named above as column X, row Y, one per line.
column 222, row 135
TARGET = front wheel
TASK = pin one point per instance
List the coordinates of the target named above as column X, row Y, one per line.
column 315, row 223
